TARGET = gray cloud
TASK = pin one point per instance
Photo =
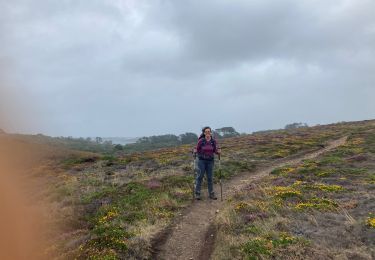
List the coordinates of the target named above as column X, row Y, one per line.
column 135, row 68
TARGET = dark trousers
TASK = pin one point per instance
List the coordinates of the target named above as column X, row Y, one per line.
column 204, row 166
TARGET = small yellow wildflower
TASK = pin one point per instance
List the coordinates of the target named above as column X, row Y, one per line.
column 286, row 170
column 325, row 187
column 241, row 205
column 304, row 205
column 371, row 222
column 110, row 215
column 284, row 192
column 317, row 203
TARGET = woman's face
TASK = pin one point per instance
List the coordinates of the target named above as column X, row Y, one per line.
column 207, row 132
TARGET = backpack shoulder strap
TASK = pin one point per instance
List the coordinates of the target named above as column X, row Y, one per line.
column 212, row 142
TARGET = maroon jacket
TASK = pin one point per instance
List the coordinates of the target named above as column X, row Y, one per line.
column 206, row 150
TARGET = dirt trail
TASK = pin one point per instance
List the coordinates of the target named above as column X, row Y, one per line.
column 193, row 234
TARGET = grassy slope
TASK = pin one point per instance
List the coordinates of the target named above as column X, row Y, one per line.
column 120, row 203
column 110, row 207
column 321, row 209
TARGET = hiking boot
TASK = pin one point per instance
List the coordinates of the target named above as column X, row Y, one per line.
column 213, row 197
column 198, row 197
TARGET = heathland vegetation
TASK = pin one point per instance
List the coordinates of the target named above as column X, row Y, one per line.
column 110, row 203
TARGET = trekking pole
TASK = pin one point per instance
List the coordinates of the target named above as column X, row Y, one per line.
column 221, row 184
column 194, row 172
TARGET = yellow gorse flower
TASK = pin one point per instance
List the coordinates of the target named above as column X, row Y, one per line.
column 325, row 187
column 287, row 170
column 110, row 215
column 371, row 222
column 281, row 191
column 241, row 205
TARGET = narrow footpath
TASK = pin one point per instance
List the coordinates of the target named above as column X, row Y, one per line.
column 192, row 237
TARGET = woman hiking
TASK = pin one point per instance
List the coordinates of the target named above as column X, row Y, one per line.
column 206, row 148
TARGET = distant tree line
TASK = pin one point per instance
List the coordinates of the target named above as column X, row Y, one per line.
column 295, row 125
column 225, row 132
column 97, row 144
column 81, row 144
column 170, row 140
column 142, row 144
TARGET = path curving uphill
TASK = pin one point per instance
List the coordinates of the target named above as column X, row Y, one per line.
column 192, row 234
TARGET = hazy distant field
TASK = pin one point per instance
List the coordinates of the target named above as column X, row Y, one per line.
column 121, row 140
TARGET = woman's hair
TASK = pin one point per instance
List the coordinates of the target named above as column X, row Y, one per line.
column 204, row 129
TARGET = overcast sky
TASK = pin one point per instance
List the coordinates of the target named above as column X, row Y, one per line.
column 135, row 68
